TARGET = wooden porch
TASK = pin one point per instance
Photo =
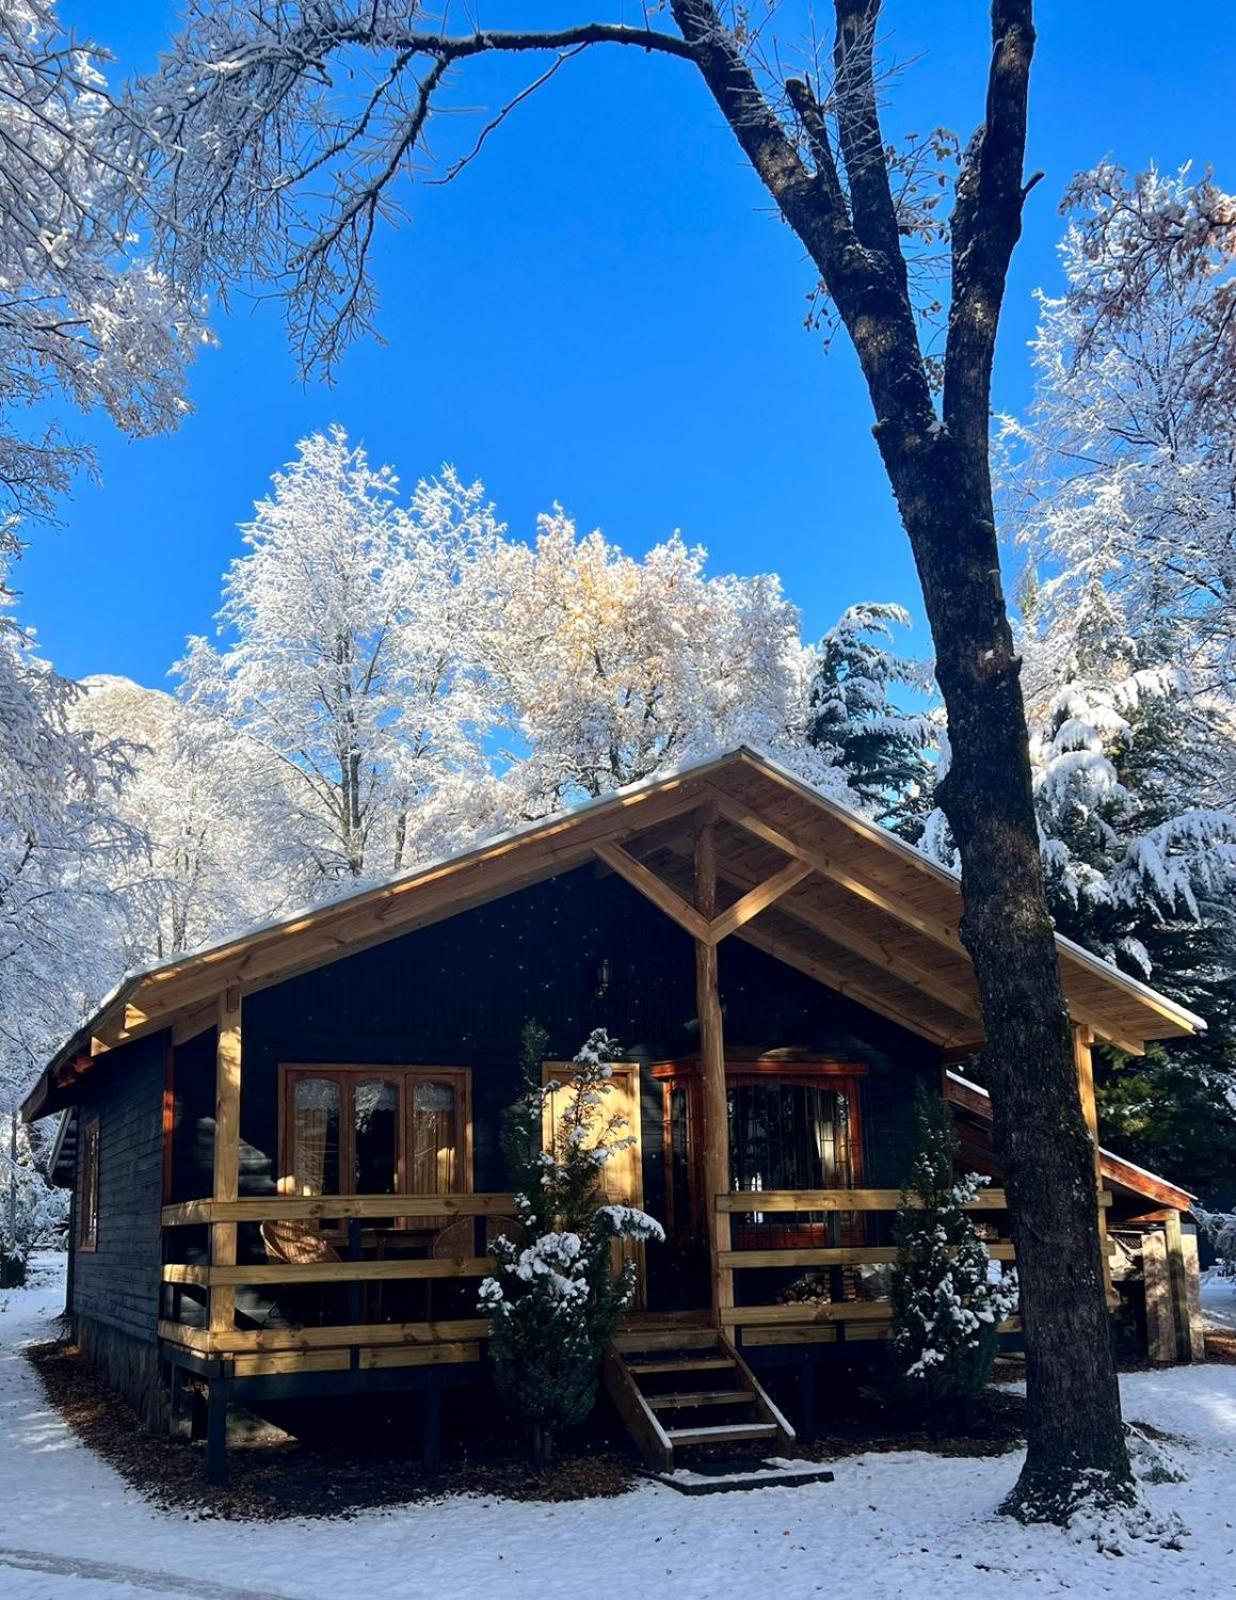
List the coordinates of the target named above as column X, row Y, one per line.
column 246, row 1363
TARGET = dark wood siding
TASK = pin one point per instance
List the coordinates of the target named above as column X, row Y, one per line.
column 118, row 1282
column 115, row 1287
column 577, row 952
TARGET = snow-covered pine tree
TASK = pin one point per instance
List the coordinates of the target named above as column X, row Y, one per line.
column 555, row 1298
column 1220, row 1228
column 1142, row 870
column 1139, row 851
column 880, row 750
column 948, row 1298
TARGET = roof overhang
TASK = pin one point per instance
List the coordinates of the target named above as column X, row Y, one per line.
column 800, row 875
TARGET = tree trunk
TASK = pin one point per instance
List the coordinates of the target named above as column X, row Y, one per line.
column 1073, row 1403
column 939, row 469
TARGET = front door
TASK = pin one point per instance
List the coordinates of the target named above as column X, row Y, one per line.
column 622, row 1176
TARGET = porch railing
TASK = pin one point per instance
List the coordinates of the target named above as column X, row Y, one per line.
column 817, row 1320
column 218, row 1332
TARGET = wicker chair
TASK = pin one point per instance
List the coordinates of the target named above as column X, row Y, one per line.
column 296, row 1244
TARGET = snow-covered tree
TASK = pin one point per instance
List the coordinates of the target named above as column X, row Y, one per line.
column 1142, row 871
column 948, row 1297
column 205, row 804
column 881, row 748
column 32, row 1213
column 555, row 1298
column 1123, row 477
column 346, row 659
column 606, row 669
column 80, row 319
column 59, row 841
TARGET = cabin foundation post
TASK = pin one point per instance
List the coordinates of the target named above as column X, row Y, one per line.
column 222, row 1318
column 217, row 1396
column 179, row 1404
column 1083, row 1039
column 432, row 1422
column 714, row 1105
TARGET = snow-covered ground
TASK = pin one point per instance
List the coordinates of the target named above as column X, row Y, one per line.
column 890, row 1525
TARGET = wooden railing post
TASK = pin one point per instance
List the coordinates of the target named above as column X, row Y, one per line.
column 715, row 1108
column 227, row 1154
column 1083, row 1039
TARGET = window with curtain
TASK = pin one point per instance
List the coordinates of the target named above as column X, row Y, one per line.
column 789, row 1129
column 787, row 1135
column 366, row 1130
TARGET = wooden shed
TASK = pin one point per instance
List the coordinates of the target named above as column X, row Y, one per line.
column 284, row 1149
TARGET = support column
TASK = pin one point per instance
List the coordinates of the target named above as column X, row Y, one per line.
column 715, row 1161
column 1178, row 1286
column 227, row 1154
column 1083, row 1039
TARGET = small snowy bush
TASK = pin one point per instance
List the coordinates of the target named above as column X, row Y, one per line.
column 949, row 1298
column 1220, row 1228
column 555, row 1298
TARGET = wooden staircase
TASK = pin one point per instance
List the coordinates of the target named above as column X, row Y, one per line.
column 682, row 1389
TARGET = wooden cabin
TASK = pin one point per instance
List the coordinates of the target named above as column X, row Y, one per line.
column 284, row 1149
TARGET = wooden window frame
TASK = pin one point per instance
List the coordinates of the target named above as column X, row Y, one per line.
column 88, row 1204
column 347, row 1074
column 842, row 1077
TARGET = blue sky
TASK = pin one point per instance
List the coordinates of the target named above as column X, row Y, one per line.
column 604, row 312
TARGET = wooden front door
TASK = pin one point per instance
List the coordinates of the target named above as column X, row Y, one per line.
column 622, row 1176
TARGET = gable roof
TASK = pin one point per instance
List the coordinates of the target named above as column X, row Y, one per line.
column 854, row 906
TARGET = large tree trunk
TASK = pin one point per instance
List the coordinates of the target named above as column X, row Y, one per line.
column 939, row 469
column 1040, row 1134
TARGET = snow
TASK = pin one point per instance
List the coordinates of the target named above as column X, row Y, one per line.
column 889, row 1526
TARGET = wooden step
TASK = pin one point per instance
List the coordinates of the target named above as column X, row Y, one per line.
column 701, row 1397
column 686, row 1364
column 730, row 1433
column 631, row 1340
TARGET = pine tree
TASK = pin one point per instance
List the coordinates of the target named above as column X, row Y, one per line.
column 1131, row 785
column 555, row 1299
column 1141, row 870
column 947, row 1305
column 881, row 750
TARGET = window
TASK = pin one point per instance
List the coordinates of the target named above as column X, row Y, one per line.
column 792, row 1125
column 787, row 1134
column 88, row 1192
column 375, row 1130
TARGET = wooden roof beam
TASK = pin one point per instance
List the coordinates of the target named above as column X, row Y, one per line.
column 860, row 945
column 757, row 899
column 823, row 973
column 654, row 888
column 930, row 927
